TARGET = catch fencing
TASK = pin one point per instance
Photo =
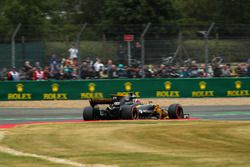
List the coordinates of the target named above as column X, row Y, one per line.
column 162, row 43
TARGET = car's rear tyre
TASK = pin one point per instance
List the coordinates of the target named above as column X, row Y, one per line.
column 129, row 112
column 175, row 111
column 88, row 114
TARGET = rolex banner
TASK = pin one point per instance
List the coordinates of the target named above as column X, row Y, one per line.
column 144, row 88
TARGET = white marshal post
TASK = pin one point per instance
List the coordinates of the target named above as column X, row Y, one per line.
column 129, row 38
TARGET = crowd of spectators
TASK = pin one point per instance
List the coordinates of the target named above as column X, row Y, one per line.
column 70, row 69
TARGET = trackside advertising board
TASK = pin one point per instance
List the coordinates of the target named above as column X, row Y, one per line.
column 144, row 88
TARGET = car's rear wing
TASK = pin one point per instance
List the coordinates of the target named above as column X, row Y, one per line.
column 94, row 102
column 115, row 98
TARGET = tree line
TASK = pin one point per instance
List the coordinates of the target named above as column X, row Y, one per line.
column 63, row 15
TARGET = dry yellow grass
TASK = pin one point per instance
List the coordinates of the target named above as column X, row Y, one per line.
column 162, row 102
column 137, row 143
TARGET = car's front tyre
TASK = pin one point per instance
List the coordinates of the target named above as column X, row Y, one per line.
column 175, row 111
column 129, row 112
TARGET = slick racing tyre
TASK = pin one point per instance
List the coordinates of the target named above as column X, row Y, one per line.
column 175, row 111
column 88, row 114
column 129, row 112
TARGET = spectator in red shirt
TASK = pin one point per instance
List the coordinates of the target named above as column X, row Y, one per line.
column 39, row 75
column 13, row 75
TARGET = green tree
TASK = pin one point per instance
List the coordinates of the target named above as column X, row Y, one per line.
column 89, row 11
column 139, row 11
column 23, row 11
column 196, row 11
column 2, row 18
column 234, row 11
column 207, row 11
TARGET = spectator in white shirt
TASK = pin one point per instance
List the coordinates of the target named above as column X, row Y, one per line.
column 73, row 54
column 98, row 66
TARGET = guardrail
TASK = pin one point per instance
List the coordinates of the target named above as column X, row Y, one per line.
column 144, row 88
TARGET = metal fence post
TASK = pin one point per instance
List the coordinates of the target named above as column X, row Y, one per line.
column 143, row 48
column 78, row 38
column 13, row 48
column 206, row 34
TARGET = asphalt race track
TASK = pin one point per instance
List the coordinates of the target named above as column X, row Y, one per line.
column 23, row 115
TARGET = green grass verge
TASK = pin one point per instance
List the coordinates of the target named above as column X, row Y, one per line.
column 135, row 144
column 232, row 50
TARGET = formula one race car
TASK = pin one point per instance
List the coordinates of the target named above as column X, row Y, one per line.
column 128, row 108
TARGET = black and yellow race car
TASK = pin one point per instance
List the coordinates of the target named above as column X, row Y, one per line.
column 129, row 108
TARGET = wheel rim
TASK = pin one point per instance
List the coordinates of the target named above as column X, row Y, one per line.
column 180, row 112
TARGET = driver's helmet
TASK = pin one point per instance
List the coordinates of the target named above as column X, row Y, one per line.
column 131, row 95
column 115, row 98
column 136, row 100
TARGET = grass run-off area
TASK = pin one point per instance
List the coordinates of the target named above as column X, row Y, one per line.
column 131, row 143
